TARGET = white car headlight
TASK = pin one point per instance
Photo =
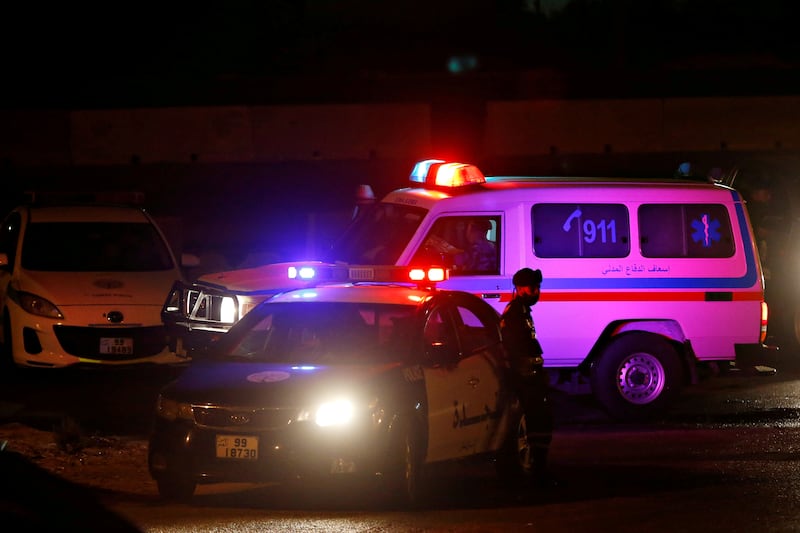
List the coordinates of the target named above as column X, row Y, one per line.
column 36, row 305
column 336, row 413
column 172, row 410
column 227, row 312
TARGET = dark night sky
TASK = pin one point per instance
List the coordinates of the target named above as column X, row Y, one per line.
column 121, row 52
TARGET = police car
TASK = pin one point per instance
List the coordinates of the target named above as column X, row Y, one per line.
column 649, row 284
column 376, row 380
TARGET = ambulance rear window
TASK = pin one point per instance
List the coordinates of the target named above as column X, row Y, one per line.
column 685, row 230
column 580, row 230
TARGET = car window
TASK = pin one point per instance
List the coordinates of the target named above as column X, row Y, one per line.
column 323, row 333
column 441, row 343
column 94, row 247
column 475, row 335
column 467, row 245
column 378, row 236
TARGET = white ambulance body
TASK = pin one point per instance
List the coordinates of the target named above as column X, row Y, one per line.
column 648, row 285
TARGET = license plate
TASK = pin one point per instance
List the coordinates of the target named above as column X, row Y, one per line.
column 237, row 447
column 116, row 345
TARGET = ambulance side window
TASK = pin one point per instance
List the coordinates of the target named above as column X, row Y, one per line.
column 685, row 230
column 467, row 245
column 580, row 230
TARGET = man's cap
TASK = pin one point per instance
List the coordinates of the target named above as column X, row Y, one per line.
column 527, row 277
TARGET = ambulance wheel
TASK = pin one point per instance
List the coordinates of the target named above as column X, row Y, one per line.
column 514, row 462
column 637, row 376
column 176, row 487
column 402, row 479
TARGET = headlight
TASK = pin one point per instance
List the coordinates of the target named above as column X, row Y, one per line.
column 227, row 311
column 172, row 410
column 336, row 413
column 37, row 305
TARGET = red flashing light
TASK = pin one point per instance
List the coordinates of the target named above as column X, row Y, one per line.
column 458, row 175
column 432, row 274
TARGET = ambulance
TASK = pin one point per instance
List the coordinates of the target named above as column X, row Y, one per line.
column 649, row 285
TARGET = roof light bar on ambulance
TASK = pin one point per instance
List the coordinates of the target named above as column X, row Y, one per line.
column 437, row 172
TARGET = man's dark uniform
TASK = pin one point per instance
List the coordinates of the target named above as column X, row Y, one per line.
column 527, row 372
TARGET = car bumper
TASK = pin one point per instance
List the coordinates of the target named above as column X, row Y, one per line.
column 305, row 453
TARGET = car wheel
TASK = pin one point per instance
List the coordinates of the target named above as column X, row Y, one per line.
column 637, row 376
column 175, row 487
column 514, row 462
column 403, row 474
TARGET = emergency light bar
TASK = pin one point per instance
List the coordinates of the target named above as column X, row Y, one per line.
column 366, row 273
column 442, row 174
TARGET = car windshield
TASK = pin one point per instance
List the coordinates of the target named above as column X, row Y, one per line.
column 94, row 247
column 378, row 236
column 323, row 333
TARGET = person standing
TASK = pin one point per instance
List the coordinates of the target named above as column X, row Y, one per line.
column 527, row 368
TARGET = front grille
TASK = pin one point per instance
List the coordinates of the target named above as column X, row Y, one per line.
column 241, row 418
column 85, row 342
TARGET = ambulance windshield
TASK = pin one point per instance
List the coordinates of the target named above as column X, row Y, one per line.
column 378, row 235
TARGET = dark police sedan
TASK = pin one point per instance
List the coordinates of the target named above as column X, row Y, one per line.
column 359, row 379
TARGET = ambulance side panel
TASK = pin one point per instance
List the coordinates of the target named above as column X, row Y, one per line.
column 712, row 302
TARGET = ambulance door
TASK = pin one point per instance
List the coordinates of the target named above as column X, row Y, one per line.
column 461, row 390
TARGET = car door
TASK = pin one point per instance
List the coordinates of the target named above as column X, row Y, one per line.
column 482, row 357
column 462, row 387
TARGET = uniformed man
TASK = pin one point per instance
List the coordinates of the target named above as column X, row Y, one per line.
column 527, row 372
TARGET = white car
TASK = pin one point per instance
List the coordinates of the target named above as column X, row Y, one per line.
column 84, row 284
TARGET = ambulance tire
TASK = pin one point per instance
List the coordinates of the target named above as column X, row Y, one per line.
column 514, row 461
column 402, row 477
column 637, row 376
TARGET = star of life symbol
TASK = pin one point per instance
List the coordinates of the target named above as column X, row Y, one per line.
column 706, row 231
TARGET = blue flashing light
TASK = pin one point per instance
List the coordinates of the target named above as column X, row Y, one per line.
column 305, row 272
column 419, row 174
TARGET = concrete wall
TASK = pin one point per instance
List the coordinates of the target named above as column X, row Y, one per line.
column 519, row 128
column 390, row 131
column 247, row 134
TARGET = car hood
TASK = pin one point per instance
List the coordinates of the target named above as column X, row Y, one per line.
column 264, row 279
column 271, row 385
column 89, row 288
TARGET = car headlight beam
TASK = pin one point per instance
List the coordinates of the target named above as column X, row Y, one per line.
column 335, row 413
column 227, row 312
